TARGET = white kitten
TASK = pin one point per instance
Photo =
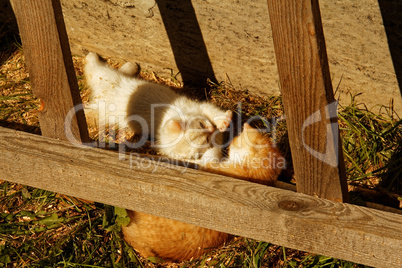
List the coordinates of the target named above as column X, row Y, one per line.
column 181, row 127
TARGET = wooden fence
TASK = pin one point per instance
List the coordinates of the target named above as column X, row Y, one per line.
column 304, row 220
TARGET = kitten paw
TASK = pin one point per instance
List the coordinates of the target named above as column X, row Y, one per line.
column 223, row 123
column 212, row 155
column 130, row 69
column 92, row 57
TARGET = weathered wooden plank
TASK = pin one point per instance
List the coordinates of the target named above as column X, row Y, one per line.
column 294, row 220
column 308, row 98
column 49, row 62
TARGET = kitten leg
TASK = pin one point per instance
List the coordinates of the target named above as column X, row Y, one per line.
column 108, row 100
column 99, row 75
column 223, row 123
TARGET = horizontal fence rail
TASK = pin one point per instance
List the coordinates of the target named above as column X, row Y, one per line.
column 282, row 217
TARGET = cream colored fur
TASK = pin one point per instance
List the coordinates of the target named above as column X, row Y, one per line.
column 181, row 127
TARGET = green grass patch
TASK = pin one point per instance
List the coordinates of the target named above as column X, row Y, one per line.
column 372, row 146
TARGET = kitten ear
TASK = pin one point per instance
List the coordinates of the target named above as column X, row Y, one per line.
column 249, row 129
column 246, row 126
column 175, row 125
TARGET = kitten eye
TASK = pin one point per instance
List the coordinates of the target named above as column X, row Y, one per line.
column 202, row 125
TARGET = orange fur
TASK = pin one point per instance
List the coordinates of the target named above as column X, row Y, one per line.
column 251, row 157
column 169, row 239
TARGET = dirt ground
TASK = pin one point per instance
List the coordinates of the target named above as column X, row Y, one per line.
column 361, row 38
column 223, row 40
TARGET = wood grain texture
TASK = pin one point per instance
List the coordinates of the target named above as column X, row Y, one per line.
column 49, row 62
column 308, row 98
column 294, row 220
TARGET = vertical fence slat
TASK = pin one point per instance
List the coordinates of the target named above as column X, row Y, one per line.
column 308, row 98
column 49, row 62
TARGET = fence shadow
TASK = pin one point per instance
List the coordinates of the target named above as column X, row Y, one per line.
column 187, row 42
column 9, row 38
column 391, row 178
column 391, row 15
column 20, row 127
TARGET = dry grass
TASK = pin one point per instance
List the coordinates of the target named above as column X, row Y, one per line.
column 17, row 104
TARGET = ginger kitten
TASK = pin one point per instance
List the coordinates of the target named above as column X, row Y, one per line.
column 252, row 157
